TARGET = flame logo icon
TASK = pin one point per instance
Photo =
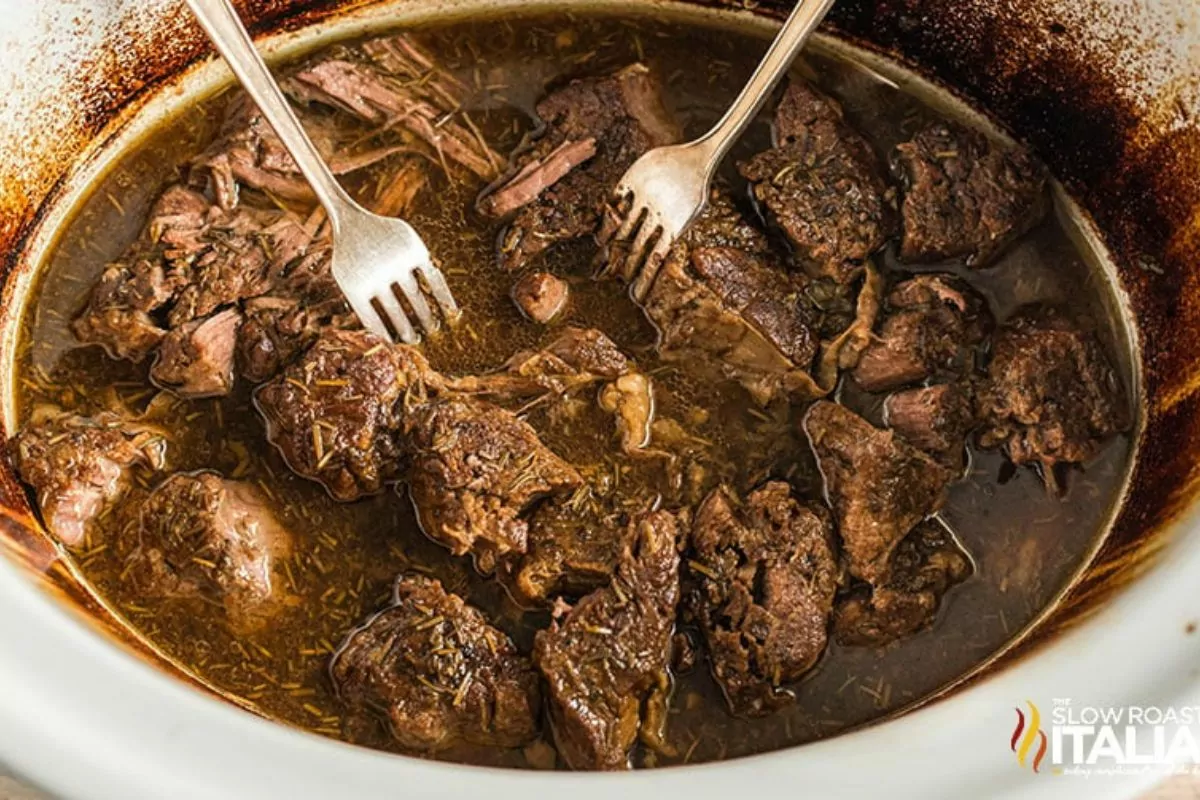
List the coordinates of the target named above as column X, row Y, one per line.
column 1025, row 734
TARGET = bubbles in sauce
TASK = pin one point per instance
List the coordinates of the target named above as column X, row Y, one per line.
column 1026, row 544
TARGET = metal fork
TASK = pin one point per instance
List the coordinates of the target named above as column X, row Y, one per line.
column 371, row 254
column 667, row 187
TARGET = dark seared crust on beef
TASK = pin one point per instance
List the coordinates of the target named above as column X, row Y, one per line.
column 78, row 465
column 766, row 575
column 434, row 669
column 200, row 535
column 474, row 472
column 965, row 196
column 574, row 546
column 1051, row 394
column 606, row 663
column 934, row 418
column 335, row 414
column 717, row 301
column 932, row 326
column 879, row 486
column 594, row 129
column 926, row 564
column 822, row 185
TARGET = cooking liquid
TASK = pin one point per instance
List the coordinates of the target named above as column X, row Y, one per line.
column 1026, row 544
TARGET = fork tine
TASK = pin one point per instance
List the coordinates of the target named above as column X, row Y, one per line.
column 440, row 291
column 651, row 266
column 368, row 316
column 630, row 222
column 394, row 313
column 639, row 248
column 412, row 292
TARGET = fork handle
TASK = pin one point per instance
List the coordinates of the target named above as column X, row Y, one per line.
column 791, row 38
column 220, row 21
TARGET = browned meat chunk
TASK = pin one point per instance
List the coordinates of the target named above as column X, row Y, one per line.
column 200, row 535
column 438, row 673
column 630, row 399
column 78, row 465
column 932, row 326
column 822, row 185
column 425, row 100
column 540, row 296
column 475, row 470
column 335, row 414
column 574, row 546
column 196, row 359
column 965, row 197
column 926, row 564
column 594, row 130
column 880, row 487
column 933, row 418
column 1051, row 394
column 767, row 576
column 717, row 301
column 606, row 664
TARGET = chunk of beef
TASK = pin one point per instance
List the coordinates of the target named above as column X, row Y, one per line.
column 630, row 399
column 438, row 673
column 574, row 544
column 719, row 302
column 191, row 260
column 79, row 465
column 822, row 185
column 766, row 576
column 475, row 470
column 200, row 535
column 880, row 487
column 1051, row 394
column 932, row 326
column 933, row 418
column 606, row 663
column 335, row 414
column 196, row 359
column 594, row 129
column 965, row 196
column 926, row 564
column 247, row 152
column 402, row 87
column 540, row 296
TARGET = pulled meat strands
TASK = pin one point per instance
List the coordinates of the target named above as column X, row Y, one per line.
column 606, row 663
column 376, row 97
column 1051, row 394
column 965, row 196
column 879, row 486
column 247, row 152
column 932, row 326
column 719, row 300
column 766, row 575
column 474, row 471
column 79, row 465
column 334, row 414
column 821, row 184
column 199, row 535
column 438, row 673
column 927, row 563
column 594, row 129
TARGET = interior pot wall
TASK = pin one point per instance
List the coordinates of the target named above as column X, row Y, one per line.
column 1107, row 91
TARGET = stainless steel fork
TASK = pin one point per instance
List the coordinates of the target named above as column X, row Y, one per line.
column 667, row 187
column 372, row 255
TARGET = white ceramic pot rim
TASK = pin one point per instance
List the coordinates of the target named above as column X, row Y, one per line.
column 87, row 720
